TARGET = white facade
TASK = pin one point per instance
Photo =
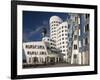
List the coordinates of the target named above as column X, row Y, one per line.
column 59, row 33
column 62, row 38
column 54, row 23
column 51, row 43
column 35, row 52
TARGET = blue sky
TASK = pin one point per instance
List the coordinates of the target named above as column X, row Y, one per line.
column 34, row 21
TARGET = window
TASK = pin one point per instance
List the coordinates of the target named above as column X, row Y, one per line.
column 65, row 34
column 75, row 37
column 62, row 34
column 87, row 16
column 62, row 38
column 70, row 39
column 75, row 46
column 68, row 26
column 69, row 48
column 62, row 30
column 56, row 24
column 54, row 31
column 66, row 30
column 68, row 35
column 65, row 26
column 86, row 41
column 75, row 56
column 42, row 53
column 63, row 46
column 63, row 50
column 35, row 59
column 76, row 19
column 87, row 28
column 62, row 42
column 66, row 38
column 29, row 60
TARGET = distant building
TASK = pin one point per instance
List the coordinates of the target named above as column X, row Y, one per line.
column 76, row 55
column 85, row 39
column 80, row 48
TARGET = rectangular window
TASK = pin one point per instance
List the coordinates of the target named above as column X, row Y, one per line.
column 75, row 46
column 87, row 28
column 75, row 37
column 68, row 26
column 29, row 60
column 87, row 16
column 79, row 32
column 86, row 41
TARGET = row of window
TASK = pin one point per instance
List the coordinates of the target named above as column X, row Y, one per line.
column 53, row 37
column 63, row 31
column 36, row 53
column 62, row 27
column 64, row 50
column 63, row 45
column 34, row 47
column 51, row 40
column 63, row 38
column 36, row 59
column 53, row 34
column 55, row 22
column 53, row 31
column 63, row 35
column 52, row 44
column 54, row 25
column 53, row 28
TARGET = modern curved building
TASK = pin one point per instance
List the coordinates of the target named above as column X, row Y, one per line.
column 51, row 43
column 62, row 39
column 59, row 33
column 54, row 24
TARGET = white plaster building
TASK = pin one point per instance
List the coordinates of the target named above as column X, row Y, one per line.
column 49, row 42
column 54, row 24
column 62, row 39
column 36, row 52
column 59, row 33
